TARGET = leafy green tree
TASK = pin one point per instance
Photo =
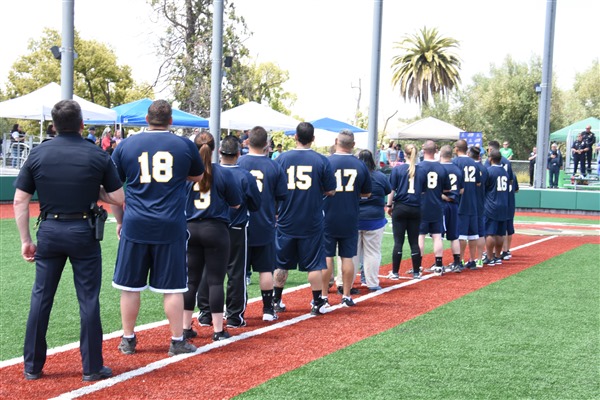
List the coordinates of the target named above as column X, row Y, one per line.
column 504, row 105
column 97, row 75
column 425, row 66
column 261, row 83
column 587, row 90
column 186, row 48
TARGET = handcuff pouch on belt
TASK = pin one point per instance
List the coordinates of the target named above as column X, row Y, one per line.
column 97, row 220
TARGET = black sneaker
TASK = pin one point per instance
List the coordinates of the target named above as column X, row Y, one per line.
column 279, row 306
column 104, row 373
column 235, row 324
column 353, row 291
column 223, row 335
column 320, row 307
column 127, row 346
column 205, row 319
column 506, row 255
column 471, row 265
column 189, row 333
column 181, row 347
column 269, row 315
column 490, row 262
column 32, row 376
column 498, row 261
column 347, row 302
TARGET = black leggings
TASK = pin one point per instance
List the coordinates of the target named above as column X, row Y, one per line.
column 208, row 253
column 406, row 219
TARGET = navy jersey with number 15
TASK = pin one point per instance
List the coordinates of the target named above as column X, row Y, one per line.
column 309, row 176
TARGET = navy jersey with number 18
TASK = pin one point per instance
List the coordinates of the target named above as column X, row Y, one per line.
column 155, row 165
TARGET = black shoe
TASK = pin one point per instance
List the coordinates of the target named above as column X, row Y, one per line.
column 353, row 291
column 235, row 324
column 189, row 333
column 32, row 376
column 223, row 335
column 205, row 319
column 104, row 373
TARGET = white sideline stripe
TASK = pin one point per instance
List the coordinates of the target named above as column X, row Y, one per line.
column 112, row 335
column 203, row 349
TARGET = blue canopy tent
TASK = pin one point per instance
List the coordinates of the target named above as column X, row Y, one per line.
column 326, row 130
column 134, row 114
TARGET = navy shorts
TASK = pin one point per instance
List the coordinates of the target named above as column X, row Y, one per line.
column 160, row 267
column 306, row 253
column 451, row 220
column 261, row 258
column 495, row 228
column 510, row 226
column 347, row 247
column 431, row 227
column 468, row 228
column 481, row 225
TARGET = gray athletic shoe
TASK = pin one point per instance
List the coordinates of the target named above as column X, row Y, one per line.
column 181, row 347
column 127, row 346
column 279, row 306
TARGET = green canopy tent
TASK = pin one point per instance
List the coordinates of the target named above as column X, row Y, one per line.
column 562, row 135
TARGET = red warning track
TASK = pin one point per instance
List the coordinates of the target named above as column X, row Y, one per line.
column 257, row 359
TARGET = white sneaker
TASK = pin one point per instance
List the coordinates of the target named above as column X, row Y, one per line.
column 393, row 276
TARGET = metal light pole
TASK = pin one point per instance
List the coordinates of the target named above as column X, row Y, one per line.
column 543, row 127
column 375, row 72
column 216, row 76
column 66, row 59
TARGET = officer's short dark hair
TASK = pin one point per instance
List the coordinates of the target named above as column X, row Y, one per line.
column 159, row 113
column 230, row 146
column 66, row 116
column 305, row 132
column 258, row 137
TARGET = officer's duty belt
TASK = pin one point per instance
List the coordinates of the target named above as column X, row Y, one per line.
column 73, row 216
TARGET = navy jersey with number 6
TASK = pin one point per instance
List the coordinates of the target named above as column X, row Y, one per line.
column 155, row 165
column 272, row 184
column 309, row 176
column 341, row 211
column 496, row 194
column 436, row 182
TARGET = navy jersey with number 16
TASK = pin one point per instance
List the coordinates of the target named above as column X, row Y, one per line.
column 309, row 176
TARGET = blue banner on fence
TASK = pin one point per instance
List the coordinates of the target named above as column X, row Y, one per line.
column 472, row 138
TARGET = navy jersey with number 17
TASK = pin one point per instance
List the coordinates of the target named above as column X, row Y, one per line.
column 309, row 176
column 341, row 211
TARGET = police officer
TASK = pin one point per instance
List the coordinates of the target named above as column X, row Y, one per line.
column 70, row 174
column 589, row 139
column 554, row 163
column 579, row 150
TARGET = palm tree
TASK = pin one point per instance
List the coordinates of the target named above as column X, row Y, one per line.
column 426, row 66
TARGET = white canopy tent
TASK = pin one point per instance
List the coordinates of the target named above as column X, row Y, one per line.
column 428, row 128
column 252, row 114
column 38, row 105
column 327, row 138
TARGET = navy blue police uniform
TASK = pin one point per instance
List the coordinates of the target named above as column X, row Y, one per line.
column 66, row 172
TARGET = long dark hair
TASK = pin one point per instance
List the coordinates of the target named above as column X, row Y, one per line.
column 367, row 157
column 206, row 145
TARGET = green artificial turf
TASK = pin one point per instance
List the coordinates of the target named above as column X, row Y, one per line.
column 533, row 335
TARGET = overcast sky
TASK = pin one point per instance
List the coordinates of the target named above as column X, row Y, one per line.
column 326, row 44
